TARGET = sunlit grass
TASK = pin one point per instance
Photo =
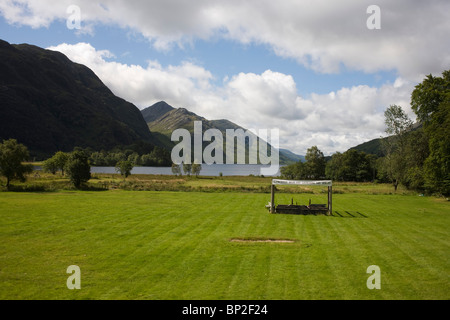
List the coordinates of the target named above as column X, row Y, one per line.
column 176, row 245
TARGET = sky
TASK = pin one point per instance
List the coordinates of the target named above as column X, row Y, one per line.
column 322, row 72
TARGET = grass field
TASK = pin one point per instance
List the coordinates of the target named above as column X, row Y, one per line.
column 176, row 245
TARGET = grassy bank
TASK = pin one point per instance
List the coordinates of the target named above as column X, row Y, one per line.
column 42, row 182
column 176, row 245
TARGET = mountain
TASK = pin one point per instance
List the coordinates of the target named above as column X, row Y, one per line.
column 375, row 146
column 292, row 156
column 174, row 118
column 50, row 103
column 155, row 111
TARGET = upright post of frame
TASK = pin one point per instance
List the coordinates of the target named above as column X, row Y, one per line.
column 272, row 198
column 330, row 200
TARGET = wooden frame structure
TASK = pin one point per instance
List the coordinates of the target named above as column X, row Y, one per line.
column 301, row 209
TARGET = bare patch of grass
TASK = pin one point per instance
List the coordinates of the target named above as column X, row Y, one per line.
column 262, row 239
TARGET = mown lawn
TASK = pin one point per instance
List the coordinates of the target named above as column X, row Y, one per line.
column 175, row 245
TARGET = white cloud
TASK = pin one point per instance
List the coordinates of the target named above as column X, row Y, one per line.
column 142, row 86
column 273, row 93
column 334, row 122
column 322, row 35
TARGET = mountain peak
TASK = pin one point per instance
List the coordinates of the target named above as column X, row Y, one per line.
column 155, row 111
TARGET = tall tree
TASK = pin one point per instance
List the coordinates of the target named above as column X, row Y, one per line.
column 50, row 165
column 124, row 167
column 78, row 168
column 315, row 163
column 187, row 168
column 196, row 168
column 176, row 170
column 12, row 154
column 430, row 100
column 398, row 125
column 57, row 162
column 352, row 165
column 294, row 171
column 427, row 97
column 416, row 151
column 334, row 168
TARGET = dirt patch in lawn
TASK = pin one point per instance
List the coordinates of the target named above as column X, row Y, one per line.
column 273, row 240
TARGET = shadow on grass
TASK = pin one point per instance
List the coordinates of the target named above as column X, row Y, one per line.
column 92, row 188
column 348, row 214
column 41, row 188
column 26, row 188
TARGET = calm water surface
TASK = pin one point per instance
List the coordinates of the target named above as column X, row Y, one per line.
column 207, row 170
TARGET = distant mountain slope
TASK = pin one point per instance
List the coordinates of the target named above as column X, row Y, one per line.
column 292, row 156
column 371, row 147
column 183, row 118
column 50, row 103
column 175, row 118
column 375, row 146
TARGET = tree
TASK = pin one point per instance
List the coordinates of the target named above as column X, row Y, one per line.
column 134, row 158
column 398, row 125
column 98, row 158
column 333, row 168
column 50, row 165
column 161, row 156
column 12, row 154
column 430, row 100
column 315, row 163
column 437, row 165
column 352, row 165
column 357, row 166
column 124, row 167
column 427, row 97
column 187, row 168
column 78, row 168
column 176, row 169
column 416, row 152
column 313, row 168
column 396, row 120
column 287, row 172
column 196, row 168
column 55, row 163
column 61, row 160
column 295, row 171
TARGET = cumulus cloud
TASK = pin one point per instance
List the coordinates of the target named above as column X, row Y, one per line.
column 334, row 121
column 142, row 86
column 322, row 35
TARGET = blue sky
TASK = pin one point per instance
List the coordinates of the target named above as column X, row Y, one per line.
column 315, row 70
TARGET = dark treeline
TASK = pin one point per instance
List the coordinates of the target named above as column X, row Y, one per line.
column 351, row 165
column 414, row 155
column 158, row 157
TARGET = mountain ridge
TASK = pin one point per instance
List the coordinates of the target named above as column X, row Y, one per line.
column 176, row 118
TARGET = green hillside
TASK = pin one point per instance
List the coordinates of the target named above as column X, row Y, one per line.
column 375, row 146
column 371, row 147
column 50, row 103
